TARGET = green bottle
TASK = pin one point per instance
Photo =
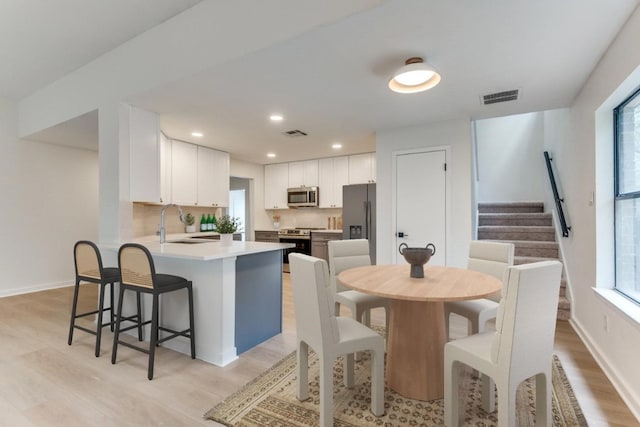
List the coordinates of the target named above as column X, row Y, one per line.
column 203, row 223
column 209, row 223
column 214, row 223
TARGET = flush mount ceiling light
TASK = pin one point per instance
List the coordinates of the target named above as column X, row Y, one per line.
column 414, row 76
column 276, row 117
column 196, row 134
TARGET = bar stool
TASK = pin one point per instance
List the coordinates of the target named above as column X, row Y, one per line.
column 89, row 269
column 139, row 275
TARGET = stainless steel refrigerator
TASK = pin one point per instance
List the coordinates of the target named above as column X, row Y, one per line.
column 359, row 214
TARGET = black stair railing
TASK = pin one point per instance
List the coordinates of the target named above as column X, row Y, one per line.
column 556, row 196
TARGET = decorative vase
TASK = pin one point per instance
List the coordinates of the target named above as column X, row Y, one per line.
column 417, row 257
column 226, row 239
column 190, row 228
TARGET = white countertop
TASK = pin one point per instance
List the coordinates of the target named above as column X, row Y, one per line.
column 202, row 251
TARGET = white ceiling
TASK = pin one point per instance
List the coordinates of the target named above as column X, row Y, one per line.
column 331, row 82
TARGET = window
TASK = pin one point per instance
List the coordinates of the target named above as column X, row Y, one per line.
column 627, row 196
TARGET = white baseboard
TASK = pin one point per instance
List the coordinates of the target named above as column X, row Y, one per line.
column 36, row 288
column 627, row 395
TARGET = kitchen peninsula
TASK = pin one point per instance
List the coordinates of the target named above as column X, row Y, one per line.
column 237, row 292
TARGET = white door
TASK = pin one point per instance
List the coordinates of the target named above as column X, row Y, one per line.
column 421, row 202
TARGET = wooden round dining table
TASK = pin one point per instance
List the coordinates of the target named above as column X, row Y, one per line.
column 416, row 338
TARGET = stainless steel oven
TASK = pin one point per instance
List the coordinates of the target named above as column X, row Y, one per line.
column 301, row 238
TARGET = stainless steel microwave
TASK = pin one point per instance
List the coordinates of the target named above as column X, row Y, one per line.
column 302, row 197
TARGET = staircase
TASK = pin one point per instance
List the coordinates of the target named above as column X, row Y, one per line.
column 530, row 229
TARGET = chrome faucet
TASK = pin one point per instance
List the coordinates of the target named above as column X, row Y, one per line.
column 163, row 233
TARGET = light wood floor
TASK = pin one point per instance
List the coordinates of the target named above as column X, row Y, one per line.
column 45, row 382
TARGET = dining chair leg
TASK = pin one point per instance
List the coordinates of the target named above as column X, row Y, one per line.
column 488, row 393
column 543, row 400
column 74, row 307
column 326, row 391
column 302, row 371
column 192, row 331
column 348, row 370
column 116, row 334
column 154, row 335
column 377, row 382
column 99, row 324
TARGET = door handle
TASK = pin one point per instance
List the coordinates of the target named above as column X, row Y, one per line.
column 401, row 234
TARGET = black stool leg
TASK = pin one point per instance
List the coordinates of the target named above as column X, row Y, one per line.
column 116, row 335
column 139, row 306
column 74, row 306
column 154, row 335
column 99, row 325
column 112, row 305
column 192, row 331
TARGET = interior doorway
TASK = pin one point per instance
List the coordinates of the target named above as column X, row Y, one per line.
column 240, row 204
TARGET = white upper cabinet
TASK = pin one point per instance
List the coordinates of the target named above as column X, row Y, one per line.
column 276, row 182
column 199, row 175
column 362, row 168
column 303, row 174
column 333, row 173
column 147, row 158
column 184, row 173
column 213, row 178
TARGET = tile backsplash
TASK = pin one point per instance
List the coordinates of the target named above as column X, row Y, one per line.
column 305, row 217
column 146, row 218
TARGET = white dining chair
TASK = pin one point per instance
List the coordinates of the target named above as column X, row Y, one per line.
column 330, row 337
column 345, row 254
column 521, row 346
column 486, row 257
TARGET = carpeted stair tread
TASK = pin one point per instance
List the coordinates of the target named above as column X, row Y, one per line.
column 512, row 207
column 519, row 260
column 522, row 219
column 503, row 232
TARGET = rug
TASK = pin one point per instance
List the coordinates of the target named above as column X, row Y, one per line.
column 270, row 400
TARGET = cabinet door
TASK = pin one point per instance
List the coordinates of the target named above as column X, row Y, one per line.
column 303, row 174
column 333, row 173
column 144, row 134
column 213, row 178
column 184, row 174
column 361, row 168
column 165, row 169
column 276, row 182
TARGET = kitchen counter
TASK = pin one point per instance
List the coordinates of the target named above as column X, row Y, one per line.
column 237, row 292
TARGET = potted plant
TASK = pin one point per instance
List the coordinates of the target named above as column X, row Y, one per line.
column 189, row 221
column 227, row 225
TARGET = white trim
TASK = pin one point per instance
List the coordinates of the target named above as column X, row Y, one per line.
column 620, row 303
column 617, row 380
column 447, row 215
column 36, row 288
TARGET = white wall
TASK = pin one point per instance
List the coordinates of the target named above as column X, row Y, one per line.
column 455, row 134
column 511, row 147
column 582, row 145
column 49, row 199
column 259, row 217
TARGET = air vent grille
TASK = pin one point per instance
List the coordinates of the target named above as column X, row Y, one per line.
column 504, row 96
column 294, row 133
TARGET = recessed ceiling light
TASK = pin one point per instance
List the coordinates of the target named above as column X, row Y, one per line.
column 336, row 146
column 276, row 117
column 196, row 134
column 271, row 155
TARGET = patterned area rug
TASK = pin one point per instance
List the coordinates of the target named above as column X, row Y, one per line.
column 270, row 400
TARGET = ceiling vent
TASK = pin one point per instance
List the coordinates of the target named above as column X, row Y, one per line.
column 504, row 96
column 294, row 133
